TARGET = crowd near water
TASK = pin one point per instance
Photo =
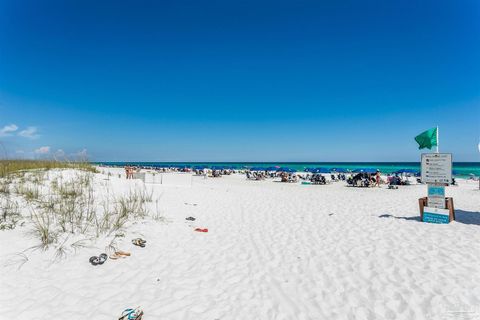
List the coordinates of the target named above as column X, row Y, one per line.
column 460, row 169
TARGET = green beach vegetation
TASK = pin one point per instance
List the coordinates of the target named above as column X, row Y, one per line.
column 63, row 206
column 11, row 166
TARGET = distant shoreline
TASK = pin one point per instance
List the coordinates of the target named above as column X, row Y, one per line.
column 461, row 169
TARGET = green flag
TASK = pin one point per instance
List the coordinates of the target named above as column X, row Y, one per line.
column 427, row 139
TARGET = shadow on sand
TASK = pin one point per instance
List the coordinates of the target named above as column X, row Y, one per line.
column 461, row 216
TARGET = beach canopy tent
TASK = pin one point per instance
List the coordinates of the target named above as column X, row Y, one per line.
column 366, row 170
column 321, row 170
column 272, row 168
column 285, row 169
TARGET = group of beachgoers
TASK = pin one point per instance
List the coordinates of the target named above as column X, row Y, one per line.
column 360, row 179
column 292, row 177
column 363, row 179
column 214, row 172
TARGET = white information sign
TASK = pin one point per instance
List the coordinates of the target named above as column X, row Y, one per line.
column 437, row 168
column 438, row 203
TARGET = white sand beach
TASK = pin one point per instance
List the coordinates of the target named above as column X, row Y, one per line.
column 272, row 251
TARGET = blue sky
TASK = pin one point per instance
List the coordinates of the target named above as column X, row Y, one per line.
column 239, row 80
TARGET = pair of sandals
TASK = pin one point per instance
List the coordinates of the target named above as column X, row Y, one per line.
column 119, row 254
column 131, row 314
column 98, row 260
column 139, row 242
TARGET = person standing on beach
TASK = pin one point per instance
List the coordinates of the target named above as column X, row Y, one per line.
column 127, row 169
column 377, row 177
column 131, row 172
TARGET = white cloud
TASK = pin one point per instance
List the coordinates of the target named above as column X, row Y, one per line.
column 30, row 132
column 43, row 150
column 83, row 155
column 59, row 154
column 8, row 130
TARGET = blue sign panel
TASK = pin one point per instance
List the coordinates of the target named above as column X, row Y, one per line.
column 435, row 215
column 435, row 218
column 436, row 191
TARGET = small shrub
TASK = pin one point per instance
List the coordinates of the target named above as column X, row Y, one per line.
column 43, row 229
column 10, row 214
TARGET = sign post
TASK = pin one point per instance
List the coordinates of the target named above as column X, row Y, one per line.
column 437, row 173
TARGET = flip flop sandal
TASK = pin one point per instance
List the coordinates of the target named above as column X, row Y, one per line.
column 94, row 260
column 102, row 258
column 122, row 253
column 139, row 242
column 201, row 230
column 139, row 316
column 116, row 256
column 126, row 314
column 190, row 219
column 131, row 314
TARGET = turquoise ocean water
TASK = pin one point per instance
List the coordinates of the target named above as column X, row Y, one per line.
column 461, row 169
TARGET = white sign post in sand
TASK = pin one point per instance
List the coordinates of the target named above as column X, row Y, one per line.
column 437, row 173
column 437, row 168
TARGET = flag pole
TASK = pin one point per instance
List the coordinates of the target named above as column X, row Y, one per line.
column 437, row 139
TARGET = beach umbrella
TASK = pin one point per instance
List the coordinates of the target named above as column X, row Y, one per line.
column 321, row 170
column 272, row 168
column 366, row 170
column 340, row 170
column 199, row 167
column 285, row 169
column 257, row 169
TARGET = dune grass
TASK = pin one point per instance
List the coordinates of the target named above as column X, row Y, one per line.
column 11, row 166
column 64, row 207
